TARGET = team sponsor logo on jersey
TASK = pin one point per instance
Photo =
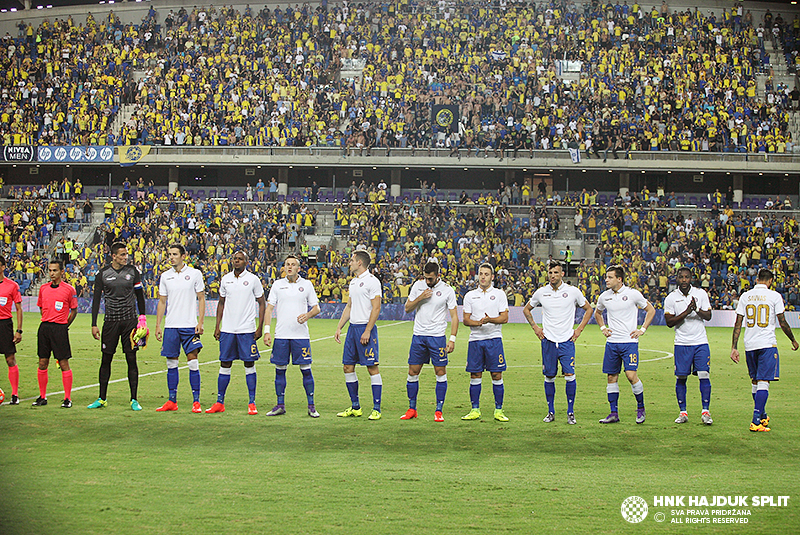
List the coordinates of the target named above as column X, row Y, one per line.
column 59, row 306
column 111, row 278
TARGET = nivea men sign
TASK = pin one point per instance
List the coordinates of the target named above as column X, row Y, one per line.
column 19, row 153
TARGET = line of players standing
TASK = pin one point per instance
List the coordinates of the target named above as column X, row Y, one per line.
column 242, row 308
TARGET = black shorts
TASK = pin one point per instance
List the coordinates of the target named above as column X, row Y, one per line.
column 7, row 345
column 113, row 331
column 54, row 339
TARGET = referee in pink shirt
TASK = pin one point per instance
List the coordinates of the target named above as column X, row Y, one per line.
column 59, row 305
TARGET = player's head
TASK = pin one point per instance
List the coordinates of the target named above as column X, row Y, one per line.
column 359, row 262
column 615, row 277
column 2, row 261
column 684, row 279
column 239, row 261
column 55, row 268
column 431, row 273
column 555, row 272
column 176, row 254
column 765, row 276
column 292, row 265
column 485, row 275
column 119, row 253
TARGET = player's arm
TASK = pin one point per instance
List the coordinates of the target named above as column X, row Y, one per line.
column 73, row 313
column 650, row 313
column 527, row 311
column 201, row 311
column 587, row 315
column 302, row 318
column 98, row 291
column 705, row 315
column 598, row 317
column 262, row 313
column 498, row 320
column 220, row 310
column 160, row 309
column 344, row 319
column 787, row 330
column 268, row 321
column 737, row 330
column 451, row 343
column 469, row 322
column 20, row 315
column 411, row 305
column 373, row 317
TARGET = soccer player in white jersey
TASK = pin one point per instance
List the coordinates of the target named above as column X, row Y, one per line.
column 237, row 328
column 434, row 300
column 361, row 342
column 485, row 312
column 295, row 302
column 685, row 309
column 762, row 309
column 182, row 288
column 558, row 300
column 622, row 304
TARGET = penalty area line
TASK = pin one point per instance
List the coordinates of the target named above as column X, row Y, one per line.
column 158, row 372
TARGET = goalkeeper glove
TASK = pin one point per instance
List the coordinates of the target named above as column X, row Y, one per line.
column 140, row 334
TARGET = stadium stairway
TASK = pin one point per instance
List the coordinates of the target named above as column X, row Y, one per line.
column 123, row 116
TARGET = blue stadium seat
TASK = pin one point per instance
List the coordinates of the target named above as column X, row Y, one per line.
column 200, row 194
column 602, row 199
column 114, row 194
column 234, row 195
column 223, row 193
column 189, row 192
column 212, row 193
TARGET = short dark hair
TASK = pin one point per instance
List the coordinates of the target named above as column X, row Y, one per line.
column 116, row 246
column 2, row 260
column 618, row 270
column 57, row 261
column 765, row 275
column 686, row 269
column 431, row 267
column 363, row 257
column 181, row 249
column 555, row 264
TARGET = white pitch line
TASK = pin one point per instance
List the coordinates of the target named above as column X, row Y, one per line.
column 75, row 389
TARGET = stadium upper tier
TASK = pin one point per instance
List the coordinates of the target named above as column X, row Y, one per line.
column 396, row 75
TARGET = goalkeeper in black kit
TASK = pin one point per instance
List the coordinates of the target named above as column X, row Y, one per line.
column 120, row 285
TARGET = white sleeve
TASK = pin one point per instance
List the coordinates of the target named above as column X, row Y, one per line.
column 199, row 284
column 705, row 302
column 375, row 289
column 222, row 291
column 600, row 306
column 312, row 298
column 534, row 301
column 258, row 288
column 580, row 299
column 452, row 302
column 740, row 308
column 162, row 286
column 503, row 306
column 467, row 305
column 669, row 305
column 414, row 292
column 640, row 301
column 780, row 307
column 272, row 297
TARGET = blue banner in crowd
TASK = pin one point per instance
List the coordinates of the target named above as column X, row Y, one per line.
column 71, row 154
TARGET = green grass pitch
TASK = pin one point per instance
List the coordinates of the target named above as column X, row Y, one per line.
column 115, row 471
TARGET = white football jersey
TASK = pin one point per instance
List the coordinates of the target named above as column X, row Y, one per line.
column 433, row 313
column 623, row 312
column 759, row 307
column 692, row 330
column 181, row 289
column 290, row 300
column 558, row 310
column 240, row 295
column 363, row 289
column 490, row 303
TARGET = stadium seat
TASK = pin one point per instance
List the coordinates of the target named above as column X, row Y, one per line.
column 114, row 194
column 222, row 194
column 602, row 199
column 200, row 194
column 212, row 193
column 234, row 195
column 189, row 193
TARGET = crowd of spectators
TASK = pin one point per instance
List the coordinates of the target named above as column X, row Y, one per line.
column 651, row 78
column 723, row 248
